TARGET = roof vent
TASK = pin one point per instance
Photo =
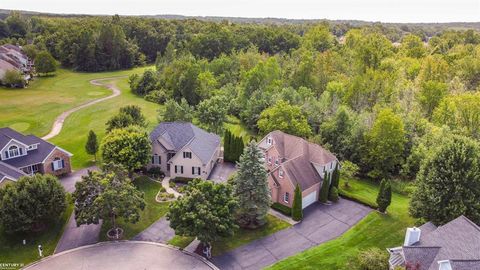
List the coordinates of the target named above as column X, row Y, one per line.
column 412, row 236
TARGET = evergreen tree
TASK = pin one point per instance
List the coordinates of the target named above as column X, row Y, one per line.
column 227, row 145
column 325, row 188
column 297, row 211
column 384, row 197
column 250, row 187
column 92, row 144
column 333, row 195
column 335, row 177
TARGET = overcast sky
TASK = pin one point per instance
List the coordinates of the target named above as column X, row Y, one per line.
column 369, row 10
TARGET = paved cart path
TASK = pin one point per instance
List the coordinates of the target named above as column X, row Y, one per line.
column 58, row 124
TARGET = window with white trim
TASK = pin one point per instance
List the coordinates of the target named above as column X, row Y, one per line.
column 156, row 159
column 196, row 170
column 187, row 155
column 58, row 164
column 269, row 141
column 269, row 160
column 14, row 151
column 286, row 197
column 280, row 173
column 179, row 169
column 276, row 161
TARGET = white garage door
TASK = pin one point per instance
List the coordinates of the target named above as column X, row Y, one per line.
column 309, row 199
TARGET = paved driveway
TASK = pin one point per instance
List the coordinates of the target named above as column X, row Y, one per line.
column 159, row 231
column 123, row 255
column 69, row 180
column 222, row 171
column 321, row 223
column 74, row 236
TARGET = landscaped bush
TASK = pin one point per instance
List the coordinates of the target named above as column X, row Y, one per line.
column 155, row 172
column 183, row 180
column 162, row 189
column 157, row 96
column 172, row 184
column 372, row 259
column 282, row 209
column 165, row 196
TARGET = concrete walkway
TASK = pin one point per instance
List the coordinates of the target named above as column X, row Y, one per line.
column 123, row 255
column 321, row 223
column 282, row 217
column 74, row 237
column 58, row 124
column 166, row 185
column 159, row 232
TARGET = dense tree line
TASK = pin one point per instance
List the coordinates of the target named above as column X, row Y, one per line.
column 380, row 98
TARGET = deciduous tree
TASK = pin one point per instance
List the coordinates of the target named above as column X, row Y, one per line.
column 204, row 211
column 285, row 117
column 31, row 203
column 448, row 183
column 91, row 147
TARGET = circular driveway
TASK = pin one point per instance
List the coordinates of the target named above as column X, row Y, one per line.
column 123, row 255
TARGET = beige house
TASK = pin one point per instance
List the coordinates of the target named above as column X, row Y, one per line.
column 182, row 149
column 291, row 160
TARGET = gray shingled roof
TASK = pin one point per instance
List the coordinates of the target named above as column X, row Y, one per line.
column 457, row 240
column 35, row 156
column 10, row 172
column 180, row 134
column 465, row 264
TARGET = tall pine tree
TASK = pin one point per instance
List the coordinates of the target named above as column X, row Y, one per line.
column 384, row 197
column 297, row 212
column 250, row 188
column 227, row 147
column 323, row 198
column 92, row 144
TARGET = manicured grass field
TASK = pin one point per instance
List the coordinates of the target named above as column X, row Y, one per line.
column 75, row 129
column 244, row 236
column 180, row 241
column 375, row 230
column 32, row 110
column 13, row 251
column 152, row 212
column 239, row 129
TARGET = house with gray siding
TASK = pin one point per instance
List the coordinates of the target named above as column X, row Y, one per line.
column 181, row 149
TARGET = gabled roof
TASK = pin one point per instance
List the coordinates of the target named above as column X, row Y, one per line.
column 465, row 264
column 10, row 172
column 299, row 158
column 458, row 240
column 34, row 156
column 182, row 134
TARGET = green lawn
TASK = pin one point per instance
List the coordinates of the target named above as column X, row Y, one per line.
column 244, row 236
column 33, row 109
column 375, row 230
column 239, row 129
column 75, row 129
column 152, row 212
column 13, row 251
column 180, row 241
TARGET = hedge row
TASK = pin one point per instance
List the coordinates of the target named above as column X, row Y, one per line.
column 282, row 209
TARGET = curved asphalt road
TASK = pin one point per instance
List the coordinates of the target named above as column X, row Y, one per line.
column 58, row 124
column 123, row 255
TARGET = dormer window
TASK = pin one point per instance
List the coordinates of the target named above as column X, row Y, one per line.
column 14, row 151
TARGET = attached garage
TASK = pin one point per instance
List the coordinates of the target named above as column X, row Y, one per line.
column 309, row 199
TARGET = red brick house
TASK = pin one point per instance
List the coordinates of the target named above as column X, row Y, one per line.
column 291, row 160
column 27, row 154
